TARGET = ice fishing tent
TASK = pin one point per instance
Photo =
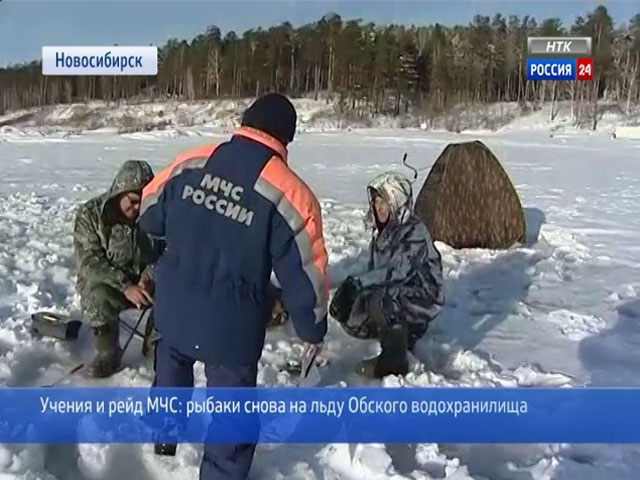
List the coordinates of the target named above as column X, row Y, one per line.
column 468, row 200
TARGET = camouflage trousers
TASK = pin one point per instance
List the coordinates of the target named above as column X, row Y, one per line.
column 102, row 304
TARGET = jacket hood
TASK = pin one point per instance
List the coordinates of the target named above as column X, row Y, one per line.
column 133, row 176
column 396, row 190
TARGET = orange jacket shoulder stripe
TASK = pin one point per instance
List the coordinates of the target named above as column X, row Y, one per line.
column 301, row 210
column 153, row 190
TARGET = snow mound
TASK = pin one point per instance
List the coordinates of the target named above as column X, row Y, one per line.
column 142, row 121
column 630, row 132
column 175, row 118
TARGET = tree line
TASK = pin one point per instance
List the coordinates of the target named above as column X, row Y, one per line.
column 368, row 67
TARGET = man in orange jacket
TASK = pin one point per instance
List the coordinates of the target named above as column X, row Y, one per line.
column 231, row 214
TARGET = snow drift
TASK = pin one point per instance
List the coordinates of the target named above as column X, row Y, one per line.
column 174, row 118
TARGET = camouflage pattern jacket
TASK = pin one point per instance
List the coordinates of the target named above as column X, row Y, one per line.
column 404, row 264
column 108, row 250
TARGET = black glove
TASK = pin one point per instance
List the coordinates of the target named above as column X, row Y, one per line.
column 343, row 300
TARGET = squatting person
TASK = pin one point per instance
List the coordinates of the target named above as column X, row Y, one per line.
column 401, row 293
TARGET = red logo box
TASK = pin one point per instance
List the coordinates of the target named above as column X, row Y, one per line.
column 584, row 69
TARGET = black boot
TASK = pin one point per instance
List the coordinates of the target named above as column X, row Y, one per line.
column 393, row 358
column 165, row 449
column 149, row 334
column 107, row 359
column 411, row 345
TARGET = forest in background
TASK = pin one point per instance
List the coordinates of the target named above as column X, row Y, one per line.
column 366, row 68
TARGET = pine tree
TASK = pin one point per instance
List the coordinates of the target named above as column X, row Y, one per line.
column 371, row 67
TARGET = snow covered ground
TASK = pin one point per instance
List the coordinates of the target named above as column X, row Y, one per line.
column 562, row 312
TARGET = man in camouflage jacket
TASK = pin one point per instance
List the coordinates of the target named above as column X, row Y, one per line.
column 399, row 295
column 114, row 259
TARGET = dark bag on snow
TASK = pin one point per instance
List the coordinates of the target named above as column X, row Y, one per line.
column 54, row 325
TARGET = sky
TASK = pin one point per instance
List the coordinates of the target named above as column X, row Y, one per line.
column 27, row 25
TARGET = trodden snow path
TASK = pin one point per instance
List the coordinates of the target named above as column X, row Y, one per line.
column 563, row 311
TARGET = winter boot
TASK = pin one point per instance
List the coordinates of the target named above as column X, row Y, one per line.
column 109, row 353
column 165, row 449
column 148, row 341
column 393, row 358
column 411, row 345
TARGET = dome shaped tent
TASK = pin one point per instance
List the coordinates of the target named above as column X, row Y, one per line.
column 468, row 200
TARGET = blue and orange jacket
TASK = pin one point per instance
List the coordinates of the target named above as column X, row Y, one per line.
column 231, row 214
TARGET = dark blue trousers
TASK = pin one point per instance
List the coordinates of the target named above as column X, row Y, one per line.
column 173, row 369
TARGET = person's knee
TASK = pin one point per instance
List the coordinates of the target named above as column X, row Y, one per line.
column 416, row 331
column 100, row 291
column 360, row 323
column 361, row 329
column 172, row 368
column 230, row 377
column 101, row 304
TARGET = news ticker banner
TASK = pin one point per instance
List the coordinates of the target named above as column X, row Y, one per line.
column 99, row 60
column 325, row 415
column 559, row 58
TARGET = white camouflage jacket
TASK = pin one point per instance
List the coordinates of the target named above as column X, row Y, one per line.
column 404, row 265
